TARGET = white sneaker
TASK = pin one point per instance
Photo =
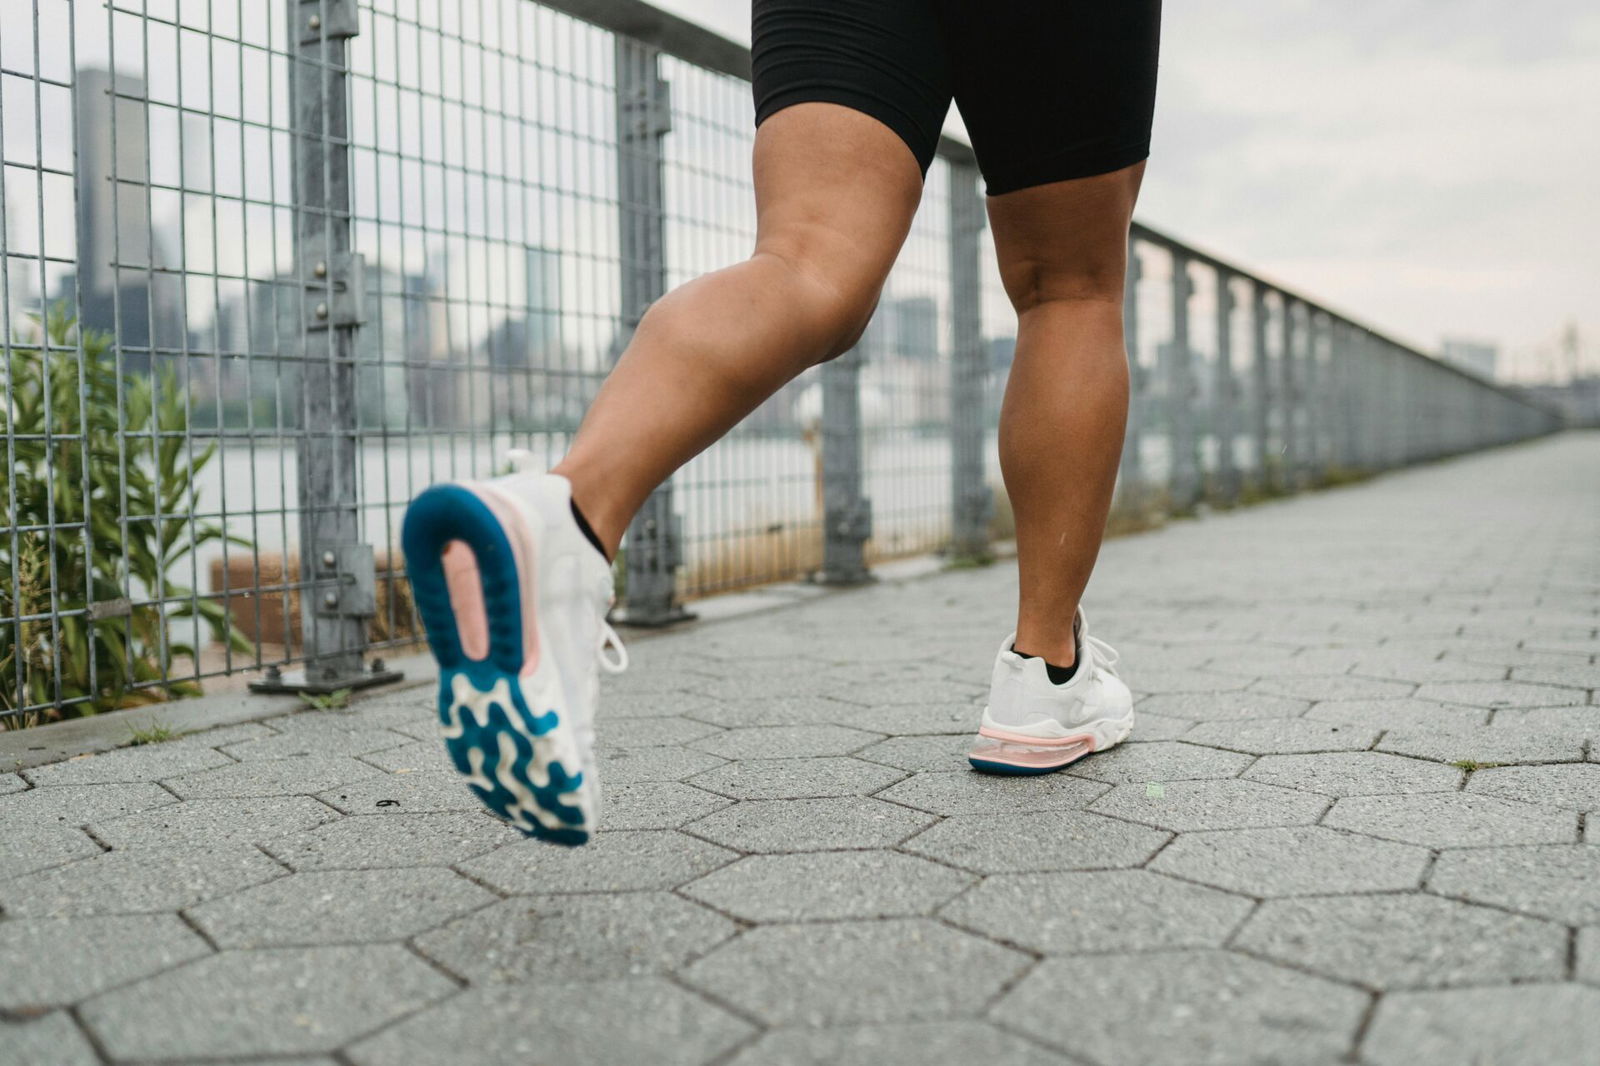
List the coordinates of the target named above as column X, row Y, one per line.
column 514, row 598
column 1032, row 726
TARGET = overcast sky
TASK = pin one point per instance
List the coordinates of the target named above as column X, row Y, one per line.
column 1430, row 166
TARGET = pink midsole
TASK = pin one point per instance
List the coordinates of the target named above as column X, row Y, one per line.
column 1036, row 742
column 1034, row 760
column 511, row 522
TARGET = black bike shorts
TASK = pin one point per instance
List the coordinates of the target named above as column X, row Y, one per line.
column 1049, row 89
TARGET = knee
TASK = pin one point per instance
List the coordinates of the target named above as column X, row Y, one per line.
column 1036, row 281
column 834, row 305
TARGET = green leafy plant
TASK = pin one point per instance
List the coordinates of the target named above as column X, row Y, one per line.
column 153, row 733
column 84, row 540
column 337, row 700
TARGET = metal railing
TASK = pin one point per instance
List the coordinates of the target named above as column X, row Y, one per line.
column 270, row 269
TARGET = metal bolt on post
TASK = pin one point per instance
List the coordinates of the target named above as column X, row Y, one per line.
column 338, row 573
column 971, row 500
column 654, row 547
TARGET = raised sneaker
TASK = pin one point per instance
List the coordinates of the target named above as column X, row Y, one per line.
column 514, row 599
column 1033, row 726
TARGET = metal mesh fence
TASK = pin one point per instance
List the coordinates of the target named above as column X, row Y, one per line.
column 269, row 269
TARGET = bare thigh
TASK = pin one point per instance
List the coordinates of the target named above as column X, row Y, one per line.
column 836, row 191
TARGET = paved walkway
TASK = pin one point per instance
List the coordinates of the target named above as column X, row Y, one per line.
column 1350, row 828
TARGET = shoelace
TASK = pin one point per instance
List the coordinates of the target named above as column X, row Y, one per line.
column 1105, row 656
column 609, row 636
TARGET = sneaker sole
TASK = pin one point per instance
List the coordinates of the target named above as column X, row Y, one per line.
column 522, row 765
column 1019, row 755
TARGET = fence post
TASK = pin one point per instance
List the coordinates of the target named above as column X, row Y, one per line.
column 338, row 595
column 1130, row 475
column 1227, row 391
column 654, row 545
column 1289, row 389
column 1185, row 473
column 971, row 501
column 1261, row 367
column 1313, row 466
column 846, row 511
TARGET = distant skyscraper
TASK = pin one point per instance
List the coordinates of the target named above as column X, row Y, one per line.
column 1478, row 357
column 115, row 238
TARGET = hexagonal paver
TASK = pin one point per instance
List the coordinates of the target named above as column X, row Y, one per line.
column 623, row 766
column 374, row 841
column 966, row 792
column 301, row 775
column 338, row 907
column 1040, row 841
column 75, row 805
column 905, row 1044
column 944, row 752
column 797, row 778
column 1570, row 786
column 1132, row 910
column 656, row 805
column 558, row 939
column 425, row 790
column 147, row 762
column 1405, row 941
column 1297, row 861
column 787, row 741
column 410, row 758
column 831, row 973
column 1588, row 961
column 1355, row 773
column 828, row 885
column 1229, row 803
column 1169, row 681
column 1399, row 714
column 638, row 1020
column 215, row 821
column 810, row 825
column 1502, row 694
column 1221, row 706
column 1453, row 820
column 303, row 736
column 1412, row 667
column 1162, row 760
column 45, row 956
column 611, row 862
column 651, row 732
column 278, row 1001
column 1333, row 687
column 916, row 689
column 135, row 882
column 768, row 709
column 1281, row 736
column 1485, row 744
column 1486, row 1026
column 1552, row 880
column 1200, row 1008
column 1573, row 675
column 912, row 719
column 51, row 1040
column 29, row 848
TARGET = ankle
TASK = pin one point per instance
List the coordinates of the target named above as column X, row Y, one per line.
column 1056, row 652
